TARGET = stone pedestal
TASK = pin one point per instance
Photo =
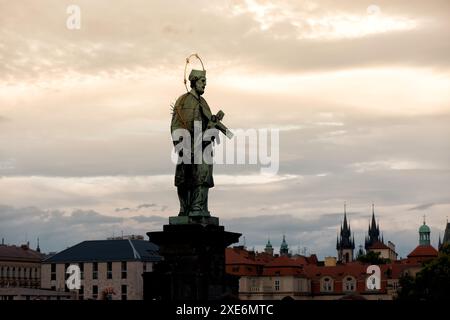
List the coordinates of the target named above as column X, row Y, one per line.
column 193, row 266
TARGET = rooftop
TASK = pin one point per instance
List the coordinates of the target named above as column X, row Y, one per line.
column 19, row 253
column 107, row 250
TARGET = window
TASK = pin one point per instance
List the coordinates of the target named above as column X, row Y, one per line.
column 35, row 273
column 254, row 285
column 109, row 270
column 277, row 285
column 81, row 293
column 327, row 285
column 94, row 292
column 19, row 273
column 124, row 269
column 124, row 292
column 81, row 266
column 95, row 270
column 349, row 284
column 52, row 272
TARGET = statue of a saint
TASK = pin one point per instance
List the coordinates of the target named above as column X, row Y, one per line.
column 193, row 180
column 194, row 170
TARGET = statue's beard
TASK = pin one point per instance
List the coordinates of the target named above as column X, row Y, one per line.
column 200, row 91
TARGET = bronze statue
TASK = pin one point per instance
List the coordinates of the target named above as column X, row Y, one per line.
column 194, row 178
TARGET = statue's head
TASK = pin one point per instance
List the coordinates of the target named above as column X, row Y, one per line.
column 198, row 81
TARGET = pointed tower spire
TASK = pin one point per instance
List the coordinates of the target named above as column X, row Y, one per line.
column 373, row 223
column 345, row 216
column 38, row 249
column 284, row 248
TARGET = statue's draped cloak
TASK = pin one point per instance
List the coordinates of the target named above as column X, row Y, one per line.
column 188, row 108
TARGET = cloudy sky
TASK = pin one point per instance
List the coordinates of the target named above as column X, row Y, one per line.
column 359, row 89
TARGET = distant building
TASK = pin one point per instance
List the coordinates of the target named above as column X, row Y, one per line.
column 446, row 240
column 373, row 234
column 375, row 243
column 344, row 243
column 284, row 248
column 20, row 266
column 269, row 249
column 265, row 277
column 14, row 293
column 424, row 251
column 110, row 269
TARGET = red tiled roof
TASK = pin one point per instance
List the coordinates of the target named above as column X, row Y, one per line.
column 378, row 245
column 355, row 269
column 23, row 253
column 423, row 251
column 283, row 271
column 237, row 256
column 284, row 261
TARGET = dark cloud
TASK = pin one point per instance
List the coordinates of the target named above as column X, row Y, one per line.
column 146, row 205
column 422, row 206
column 150, row 219
column 143, row 206
column 91, row 217
column 57, row 229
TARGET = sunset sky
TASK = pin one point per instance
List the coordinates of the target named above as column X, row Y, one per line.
column 360, row 91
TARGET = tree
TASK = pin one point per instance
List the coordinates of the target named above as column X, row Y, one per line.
column 431, row 283
column 372, row 258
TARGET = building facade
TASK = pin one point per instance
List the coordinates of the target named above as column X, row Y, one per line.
column 424, row 251
column 20, row 266
column 110, row 269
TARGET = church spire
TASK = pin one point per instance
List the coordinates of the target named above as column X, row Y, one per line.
column 284, row 249
column 268, row 249
column 344, row 243
column 424, row 234
column 373, row 234
column 37, row 248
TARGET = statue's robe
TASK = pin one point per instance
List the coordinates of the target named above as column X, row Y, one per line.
column 188, row 108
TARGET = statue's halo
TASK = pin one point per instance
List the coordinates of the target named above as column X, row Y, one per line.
column 188, row 60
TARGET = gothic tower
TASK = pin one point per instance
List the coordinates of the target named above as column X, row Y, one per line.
column 344, row 243
column 374, row 231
